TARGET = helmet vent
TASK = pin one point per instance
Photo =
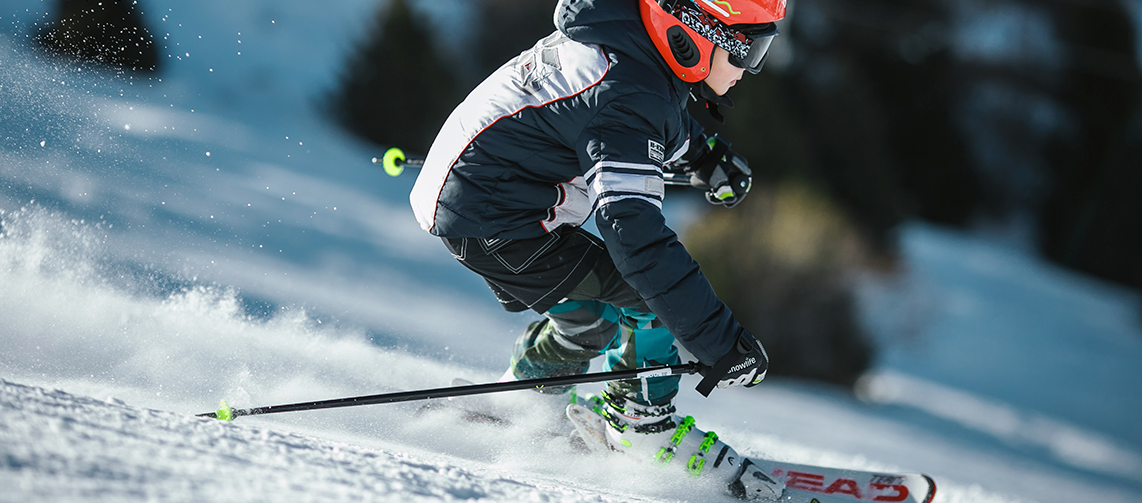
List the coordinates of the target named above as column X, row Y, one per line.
column 682, row 46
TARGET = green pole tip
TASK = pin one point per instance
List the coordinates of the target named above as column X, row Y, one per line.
column 225, row 413
column 393, row 161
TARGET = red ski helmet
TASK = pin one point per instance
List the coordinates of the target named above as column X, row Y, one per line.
column 686, row 32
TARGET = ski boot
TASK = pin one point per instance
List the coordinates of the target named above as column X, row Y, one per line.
column 537, row 354
column 659, row 435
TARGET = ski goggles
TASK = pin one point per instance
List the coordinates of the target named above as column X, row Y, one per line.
column 758, row 38
column 748, row 45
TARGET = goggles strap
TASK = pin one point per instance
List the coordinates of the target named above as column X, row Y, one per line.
column 711, row 29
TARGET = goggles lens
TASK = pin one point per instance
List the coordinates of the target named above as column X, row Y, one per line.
column 759, row 40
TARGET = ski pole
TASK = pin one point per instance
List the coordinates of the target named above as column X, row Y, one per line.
column 226, row 413
column 394, row 161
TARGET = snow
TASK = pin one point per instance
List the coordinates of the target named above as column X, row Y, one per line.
column 166, row 244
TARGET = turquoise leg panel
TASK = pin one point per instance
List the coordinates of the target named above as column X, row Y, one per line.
column 643, row 344
column 629, row 338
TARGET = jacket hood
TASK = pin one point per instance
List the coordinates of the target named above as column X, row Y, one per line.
column 617, row 25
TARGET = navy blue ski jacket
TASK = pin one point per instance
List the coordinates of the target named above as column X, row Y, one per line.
column 582, row 122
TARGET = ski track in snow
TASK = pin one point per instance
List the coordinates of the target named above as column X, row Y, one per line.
column 164, row 244
column 58, row 447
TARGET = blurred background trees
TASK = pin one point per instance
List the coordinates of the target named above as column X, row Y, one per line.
column 402, row 81
column 397, row 88
column 1020, row 119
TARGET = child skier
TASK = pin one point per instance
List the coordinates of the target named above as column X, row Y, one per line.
column 585, row 123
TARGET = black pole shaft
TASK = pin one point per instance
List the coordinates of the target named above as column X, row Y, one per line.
column 475, row 389
column 411, row 162
column 417, row 163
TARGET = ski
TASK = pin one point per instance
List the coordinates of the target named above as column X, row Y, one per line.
column 756, row 478
column 802, row 483
column 811, row 483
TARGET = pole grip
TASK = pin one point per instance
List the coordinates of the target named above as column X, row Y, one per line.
column 394, row 161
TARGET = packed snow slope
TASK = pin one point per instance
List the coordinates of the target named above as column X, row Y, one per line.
column 168, row 242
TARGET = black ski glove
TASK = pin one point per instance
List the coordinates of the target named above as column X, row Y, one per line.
column 745, row 364
column 722, row 172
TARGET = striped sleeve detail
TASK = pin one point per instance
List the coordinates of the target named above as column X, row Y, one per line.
column 609, row 181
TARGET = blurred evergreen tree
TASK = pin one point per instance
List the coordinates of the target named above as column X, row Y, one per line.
column 106, row 32
column 508, row 27
column 873, row 92
column 1091, row 218
column 1102, row 233
column 398, row 88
